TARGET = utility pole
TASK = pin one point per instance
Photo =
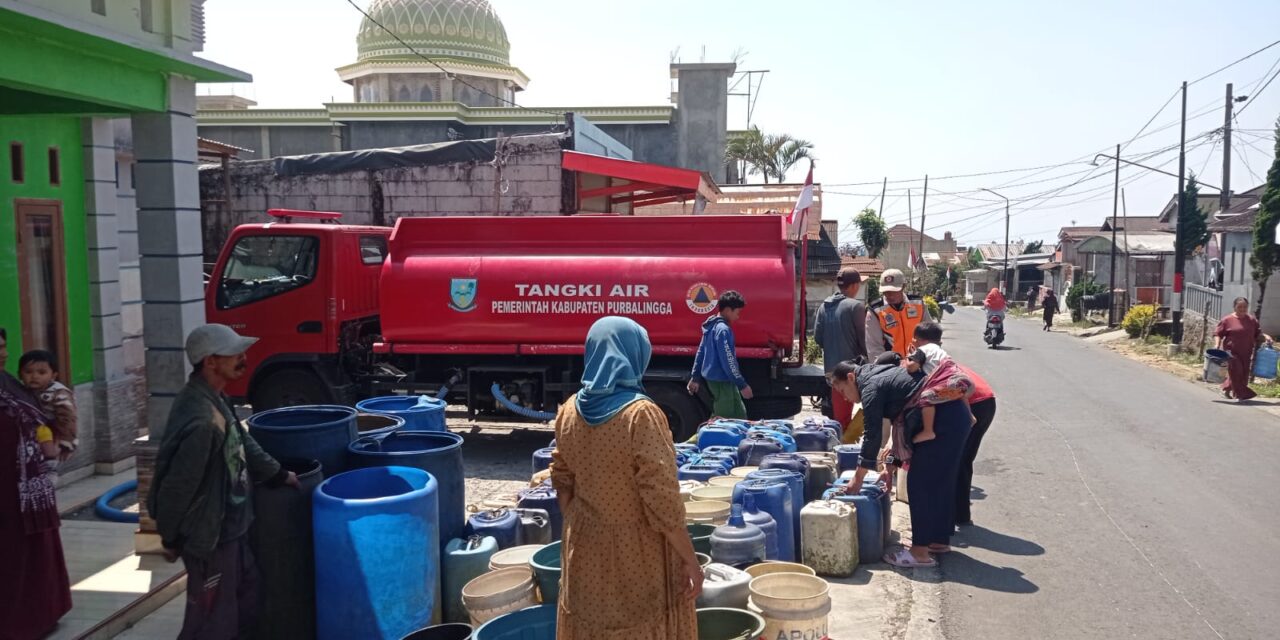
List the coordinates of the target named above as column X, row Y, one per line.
column 1179, row 258
column 1224, row 200
column 883, row 187
column 1115, row 213
column 1128, row 275
column 1006, row 241
column 924, row 202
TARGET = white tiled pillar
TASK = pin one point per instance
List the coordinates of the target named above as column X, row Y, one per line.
column 169, row 243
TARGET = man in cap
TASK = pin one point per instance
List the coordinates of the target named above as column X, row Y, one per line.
column 201, row 497
column 892, row 320
column 840, row 329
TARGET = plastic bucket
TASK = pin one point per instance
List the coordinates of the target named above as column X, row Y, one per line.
column 729, row 624
column 534, row 623
column 793, row 605
column 687, row 487
column 284, row 551
column 715, row 512
column 703, row 559
column 741, row 472
column 711, row 492
column 312, row 432
column 546, row 564
column 499, row 592
column 701, row 536
column 438, row 453
column 724, row 481
column 515, row 557
column 1215, row 365
column 456, row 631
column 768, row 568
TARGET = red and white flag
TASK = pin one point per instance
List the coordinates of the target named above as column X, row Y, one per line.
column 914, row 260
column 798, row 220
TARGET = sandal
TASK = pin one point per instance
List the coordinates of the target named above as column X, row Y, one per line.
column 903, row 559
column 942, row 548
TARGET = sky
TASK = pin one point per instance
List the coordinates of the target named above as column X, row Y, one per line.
column 884, row 89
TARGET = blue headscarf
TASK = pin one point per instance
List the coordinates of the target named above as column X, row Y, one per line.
column 617, row 354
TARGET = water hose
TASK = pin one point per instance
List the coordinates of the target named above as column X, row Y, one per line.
column 107, row 512
column 517, row 409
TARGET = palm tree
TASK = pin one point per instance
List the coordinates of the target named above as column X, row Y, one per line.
column 748, row 149
column 785, row 152
column 768, row 155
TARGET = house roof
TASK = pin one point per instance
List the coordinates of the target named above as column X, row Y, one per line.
column 898, row 231
column 868, row 267
column 1241, row 222
column 1135, row 224
column 1135, row 243
column 1078, row 232
column 995, row 250
column 1208, row 202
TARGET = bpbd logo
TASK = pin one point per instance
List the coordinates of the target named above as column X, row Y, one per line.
column 462, row 294
column 702, row 298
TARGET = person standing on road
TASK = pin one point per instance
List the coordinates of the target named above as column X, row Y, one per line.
column 201, row 497
column 629, row 567
column 1239, row 334
column 892, row 319
column 33, row 570
column 840, row 329
column 1050, row 308
column 717, row 361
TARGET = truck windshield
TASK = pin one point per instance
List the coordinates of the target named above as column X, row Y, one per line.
column 263, row 266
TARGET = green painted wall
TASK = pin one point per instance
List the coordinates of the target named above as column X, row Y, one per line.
column 36, row 136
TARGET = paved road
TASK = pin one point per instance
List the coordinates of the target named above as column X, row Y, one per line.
column 1112, row 500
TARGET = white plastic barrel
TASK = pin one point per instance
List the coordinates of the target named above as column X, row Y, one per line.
column 723, row 494
column 498, row 593
column 724, row 587
column 714, row 512
column 829, row 537
column 793, row 605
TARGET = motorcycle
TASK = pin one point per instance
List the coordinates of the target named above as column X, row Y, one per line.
column 994, row 333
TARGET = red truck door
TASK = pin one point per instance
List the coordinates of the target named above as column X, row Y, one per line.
column 273, row 284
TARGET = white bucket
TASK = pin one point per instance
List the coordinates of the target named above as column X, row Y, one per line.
column 715, row 512
column 514, row 557
column 687, row 487
column 724, row 481
column 767, row 568
column 499, row 592
column 741, row 472
column 703, row 494
column 793, row 605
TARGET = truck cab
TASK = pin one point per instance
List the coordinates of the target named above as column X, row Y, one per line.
column 302, row 284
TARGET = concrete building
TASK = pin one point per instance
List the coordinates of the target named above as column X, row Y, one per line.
column 903, row 239
column 101, row 233
column 464, row 92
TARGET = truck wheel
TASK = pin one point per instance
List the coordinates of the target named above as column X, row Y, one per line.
column 289, row 388
column 774, row 407
column 684, row 412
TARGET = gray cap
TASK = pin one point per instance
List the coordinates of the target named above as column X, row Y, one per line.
column 215, row 340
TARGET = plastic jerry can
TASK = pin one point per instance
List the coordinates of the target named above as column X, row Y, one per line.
column 1265, row 362
column 501, row 524
column 720, row 435
column 773, row 496
column 544, row 497
column 702, row 472
column 724, row 460
column 720, row 450
column 755, row 447
column 870, row 524
column 542, row 458
column 783, row 437
column 886, row 510
column 724, row 586
column 829, row 534
column 535, row 526
column 464, row 561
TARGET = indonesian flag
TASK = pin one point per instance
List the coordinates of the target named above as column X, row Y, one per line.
column 948, row 273
column 913, row 259
column 797, row 221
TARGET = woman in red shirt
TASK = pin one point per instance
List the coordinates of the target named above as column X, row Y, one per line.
column 1239, row 333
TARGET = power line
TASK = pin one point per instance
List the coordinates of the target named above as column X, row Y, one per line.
column 1254, row 98
column 1245, row 159
column 1214, row 73
column 446, row 72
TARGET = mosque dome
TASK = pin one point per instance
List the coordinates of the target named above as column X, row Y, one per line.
column 464, row 30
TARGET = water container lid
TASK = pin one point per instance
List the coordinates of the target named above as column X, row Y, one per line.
column 735, row 516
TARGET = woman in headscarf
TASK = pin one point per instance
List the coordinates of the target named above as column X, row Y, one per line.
column 33, row 572
column 629, row 571
column 995, row 302
column 1239, row 334
column 1050, row 308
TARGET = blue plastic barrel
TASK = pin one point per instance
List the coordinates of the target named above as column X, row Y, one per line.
column 439, row 453
column 1264, row 363
column 420, row 413
column 503, row 525
column 377, row 424
column 309, row 432
column 783, row 437
column 847, row 456
column 773, row 496
column 465, row 559
column 534, row 623
column 542, row 458
column 701, row 472
column 377, row 553
column 544, row 497
column 795, row 481
column 452, row 631
column 797, row 463
column 785, row 426
column 870, row 524
column 819, row 439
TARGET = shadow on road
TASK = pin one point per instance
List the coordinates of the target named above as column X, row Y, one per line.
column 984, row 538
column 1006, row 348
column 977, row 493
column 961, row 569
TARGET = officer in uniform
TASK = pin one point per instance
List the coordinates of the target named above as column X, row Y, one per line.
column 892, row 320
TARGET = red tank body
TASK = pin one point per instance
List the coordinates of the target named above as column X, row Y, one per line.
column 534, row 285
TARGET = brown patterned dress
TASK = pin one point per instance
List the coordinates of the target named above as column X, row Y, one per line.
column 621, row 578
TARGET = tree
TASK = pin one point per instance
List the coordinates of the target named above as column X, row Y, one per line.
column 767, row 155
column 784, row 152
column 748, row 149
column 1035, row 246
column 872, row 232
column 975, row 259
column 1266, row 255
column 1193, row 223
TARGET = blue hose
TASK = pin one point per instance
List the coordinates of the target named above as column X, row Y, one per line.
column 104, row 509
column 517, row 409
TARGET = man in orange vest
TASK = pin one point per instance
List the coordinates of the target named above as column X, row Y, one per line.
column 892, row 320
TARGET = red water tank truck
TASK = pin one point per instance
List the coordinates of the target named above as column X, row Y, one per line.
column 492, row 311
